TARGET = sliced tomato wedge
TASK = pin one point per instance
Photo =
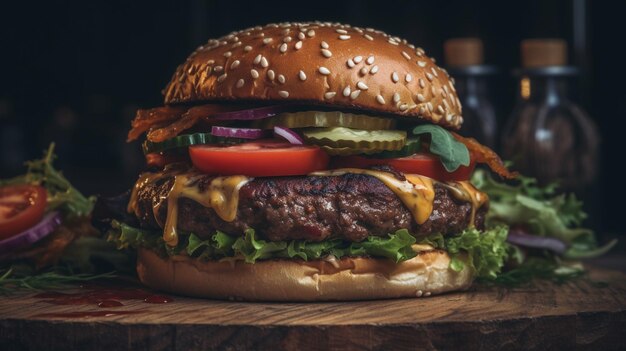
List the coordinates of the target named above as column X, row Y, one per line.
column 262, row 158
column 423, row 164
column 21, row 207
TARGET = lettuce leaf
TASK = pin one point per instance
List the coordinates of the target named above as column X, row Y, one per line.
column 396, row 246
column 540, row 212
column 62, row 196
column 487, row 251
column 452, row 153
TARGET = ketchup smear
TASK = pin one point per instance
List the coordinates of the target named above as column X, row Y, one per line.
column 100, row 296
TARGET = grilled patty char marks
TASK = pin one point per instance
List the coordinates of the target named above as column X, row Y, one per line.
column 351, row 206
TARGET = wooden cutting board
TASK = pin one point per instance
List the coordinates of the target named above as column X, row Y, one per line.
column 581, row 314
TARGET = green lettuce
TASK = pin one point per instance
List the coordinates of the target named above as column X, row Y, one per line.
column 540, row 212
column 62, row 196
column 452, row 153
column 396, row 246
column 486, row 251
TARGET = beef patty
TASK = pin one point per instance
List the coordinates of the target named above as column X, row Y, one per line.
column 315, row 208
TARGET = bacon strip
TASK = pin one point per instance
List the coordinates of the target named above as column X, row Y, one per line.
column 482, row 154
column 146, row 119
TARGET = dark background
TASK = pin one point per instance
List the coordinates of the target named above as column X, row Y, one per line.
column 75, row 72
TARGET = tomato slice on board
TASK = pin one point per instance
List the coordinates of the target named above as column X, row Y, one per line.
column 423, row 164
column 21, row 207
column 262, row 158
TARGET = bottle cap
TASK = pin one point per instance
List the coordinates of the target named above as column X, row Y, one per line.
column 543, row 52
column 461, row 52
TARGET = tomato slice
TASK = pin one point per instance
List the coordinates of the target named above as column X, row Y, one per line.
column 263, row 158
column 21, row 207
column 423, row 164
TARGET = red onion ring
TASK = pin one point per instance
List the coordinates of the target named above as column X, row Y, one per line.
column 48, row 223
column 252, row 114
column 520, row 238
column 288, row 135
column 241, row 133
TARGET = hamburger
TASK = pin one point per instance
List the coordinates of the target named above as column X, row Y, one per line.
column 308, row 161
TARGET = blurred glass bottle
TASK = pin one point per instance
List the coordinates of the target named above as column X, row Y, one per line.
column 548, row 136
column 464, row 61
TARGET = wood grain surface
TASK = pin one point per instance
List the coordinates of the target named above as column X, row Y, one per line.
column 576, row 315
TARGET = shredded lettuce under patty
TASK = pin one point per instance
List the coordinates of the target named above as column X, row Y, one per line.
column 396, row 246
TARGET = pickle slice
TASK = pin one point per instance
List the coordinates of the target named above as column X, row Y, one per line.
column 326, row 119
column 361, row 141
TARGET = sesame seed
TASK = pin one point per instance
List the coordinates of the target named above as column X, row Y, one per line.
column 327, row 53
column 324, row 45
column 422, row 110
column 235, row 64
column 460, row 120
column 358, row 59
column 302, row 75
column 350, row 63
column 236, row 45
column 421, row 97
column 408, row 77
column 396, row 97
column 380, row 99
column 267, row 40
column 221, row 78
column 323, row 70
column 421, row 63
column 330, row 95
column 341, row 31
column 419, row 52
column 443, row 93
column 374, row 69
column 283, row 93
column 394, row 77
column 264, row 62
column 287, row 39
column 406, row 56
column 344, row 37
column 247, row 48
column 419, row 293
column 430, row 106
column 449, row 118
column 364, row 70
column 286, row 31
column 422, row 83
column 427, row 293
column 283, row 47
column 240, row 83
column 228, row 54
column 370, row 60
column 404, row 107
column 346, row 91
column 257, row 59
column 281, row 79
column 355, row 94
column 271, row 74
column 310, row 33
column 254, row 73
column 432, row 90
column 369, row 29
column 393, row 42
column 368, row 37
column 446, row 106
column 298, row 45
column 218, row 68
column 210, row 62
column 452, row 86
column 440, row 109
column 434, row 71
column 362, row 86
column 301, row 36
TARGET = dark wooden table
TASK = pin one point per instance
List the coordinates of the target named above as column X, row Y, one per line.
column 576, row 315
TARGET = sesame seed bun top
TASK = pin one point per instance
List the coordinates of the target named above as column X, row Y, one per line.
column 320, row 63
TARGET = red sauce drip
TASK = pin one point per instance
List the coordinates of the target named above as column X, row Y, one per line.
column 86, row 314
column 101, row 296
column 158, row 299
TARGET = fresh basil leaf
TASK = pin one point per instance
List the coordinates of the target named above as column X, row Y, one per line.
column 452, row 153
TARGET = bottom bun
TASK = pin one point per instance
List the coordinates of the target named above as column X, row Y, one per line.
column 291, row 280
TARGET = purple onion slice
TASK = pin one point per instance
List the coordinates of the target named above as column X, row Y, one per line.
column 48, row 223
column 241, row 133
column 253, row 113
column 288, row 135
column 518, row 237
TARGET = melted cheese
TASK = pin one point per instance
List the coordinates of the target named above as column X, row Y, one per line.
column 465, row 191
column 222, row 195
column 417, row 192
